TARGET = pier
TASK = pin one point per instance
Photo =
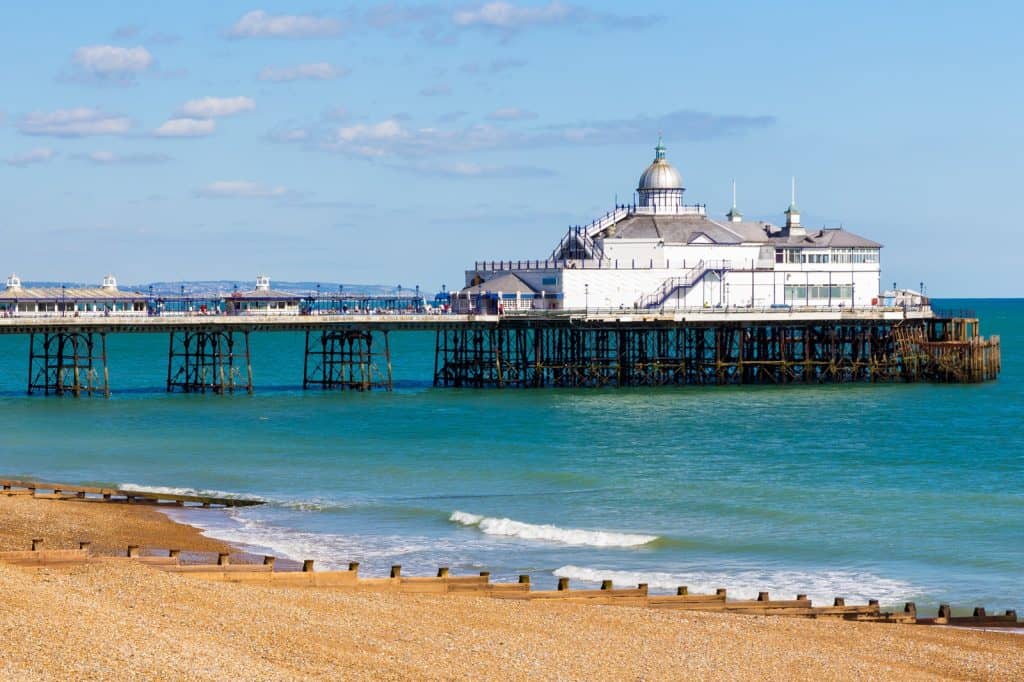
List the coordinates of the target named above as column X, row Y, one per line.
column 531, row 349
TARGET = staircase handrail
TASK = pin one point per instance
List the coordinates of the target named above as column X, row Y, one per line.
column 673, row 284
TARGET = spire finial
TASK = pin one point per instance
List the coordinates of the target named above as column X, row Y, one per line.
column 734, row 214
column 659, row 151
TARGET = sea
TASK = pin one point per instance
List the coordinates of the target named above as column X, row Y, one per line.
column 892, row 492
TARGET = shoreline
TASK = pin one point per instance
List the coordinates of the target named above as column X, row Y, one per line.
column 248, row 553
column 102, row 617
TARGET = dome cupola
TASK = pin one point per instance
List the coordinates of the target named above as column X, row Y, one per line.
column 660, row 185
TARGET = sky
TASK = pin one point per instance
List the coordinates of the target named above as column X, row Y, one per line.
column 396, row 143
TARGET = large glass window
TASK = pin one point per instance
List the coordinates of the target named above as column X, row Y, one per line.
column 818, row 293
column 858, row 255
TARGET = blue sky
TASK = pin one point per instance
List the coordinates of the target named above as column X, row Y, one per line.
column 397, row 143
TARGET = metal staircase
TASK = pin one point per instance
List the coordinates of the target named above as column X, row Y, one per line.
column 670, row 286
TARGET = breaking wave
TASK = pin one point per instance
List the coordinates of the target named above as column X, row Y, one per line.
column 821, row 586
column 187, row 491
column 566, row 536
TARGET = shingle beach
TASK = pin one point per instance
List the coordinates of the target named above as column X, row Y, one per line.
column 128, row 621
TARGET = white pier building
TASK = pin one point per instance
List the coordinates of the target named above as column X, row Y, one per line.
column 661, row 253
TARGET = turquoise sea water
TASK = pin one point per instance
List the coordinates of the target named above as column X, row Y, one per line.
column 895, row 492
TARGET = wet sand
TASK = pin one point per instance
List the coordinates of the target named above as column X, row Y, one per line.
column 126, row 621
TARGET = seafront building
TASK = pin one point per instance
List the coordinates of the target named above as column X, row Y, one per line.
column 662, row 253
column 105, row 299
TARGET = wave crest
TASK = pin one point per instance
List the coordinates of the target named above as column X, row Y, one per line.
column 566, row 536
column 166, row 490
column 820, row 586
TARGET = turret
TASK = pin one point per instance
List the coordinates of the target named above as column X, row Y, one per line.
column 661, row 185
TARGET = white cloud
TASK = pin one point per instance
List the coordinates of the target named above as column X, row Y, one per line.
column 37, row 155
column 213, row 107
column 227, row 189
column 259, row 24
column 108, row 158
column 186, row 127
column 390, row 139
column 78, row 122
column 108, row 60
column 385, row 130
column 465, row 169
column 511, row 114
column 508, row 16
column 320, row 71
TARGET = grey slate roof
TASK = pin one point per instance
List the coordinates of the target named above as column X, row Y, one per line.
column 683, row 229
column 508, row 283
column 262, row 295
column 70, row 294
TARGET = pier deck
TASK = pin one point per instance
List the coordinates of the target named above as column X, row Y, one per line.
column 135, row 324
column 533, row 349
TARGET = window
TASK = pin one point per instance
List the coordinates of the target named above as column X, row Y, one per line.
column 819, row 293
column 858, row 255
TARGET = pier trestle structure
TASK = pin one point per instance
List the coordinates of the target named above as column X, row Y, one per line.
column 69, row 357
column 581, row 353
column 347, row 359
column 68, row 362
column 209, row 360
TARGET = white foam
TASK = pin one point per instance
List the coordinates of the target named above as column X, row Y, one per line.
column 186, row 491
column 331, row 551
column 820, row 586
column 566, row 536
column 314, row 505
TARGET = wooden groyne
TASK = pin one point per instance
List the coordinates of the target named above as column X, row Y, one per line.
column 268, row 573
column 68, row 491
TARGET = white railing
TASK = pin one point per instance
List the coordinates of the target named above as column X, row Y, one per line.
column 673, row 284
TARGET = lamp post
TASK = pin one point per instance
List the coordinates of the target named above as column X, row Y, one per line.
column 63, row 299
column 586, row 298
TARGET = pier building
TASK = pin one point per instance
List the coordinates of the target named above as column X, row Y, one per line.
column 262, row 300
column 105, row 299
column 660, row 252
